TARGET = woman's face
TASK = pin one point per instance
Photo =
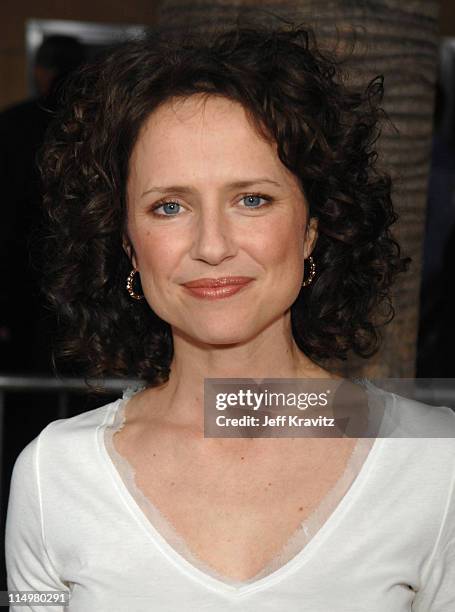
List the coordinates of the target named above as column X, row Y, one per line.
column 209, row 198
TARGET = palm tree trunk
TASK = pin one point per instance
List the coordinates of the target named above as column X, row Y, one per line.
column 399, row 40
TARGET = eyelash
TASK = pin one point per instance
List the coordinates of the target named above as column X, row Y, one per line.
column 268, row 202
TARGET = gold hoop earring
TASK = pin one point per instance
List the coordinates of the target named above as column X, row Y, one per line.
column 129, row 286
column 312, row 272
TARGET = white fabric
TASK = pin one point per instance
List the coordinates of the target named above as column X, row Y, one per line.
column 307, row 528
column 383, row 540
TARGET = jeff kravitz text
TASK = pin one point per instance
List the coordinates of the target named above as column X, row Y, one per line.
column 282, row 420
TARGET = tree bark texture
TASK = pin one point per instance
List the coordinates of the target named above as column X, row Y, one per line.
column 400, row 41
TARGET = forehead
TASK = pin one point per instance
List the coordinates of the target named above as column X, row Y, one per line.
column 201, row 132
column 205, row 113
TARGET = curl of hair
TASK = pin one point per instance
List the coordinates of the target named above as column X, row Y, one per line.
column 325, row 134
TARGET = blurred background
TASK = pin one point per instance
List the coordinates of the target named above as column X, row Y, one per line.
column 412, row 44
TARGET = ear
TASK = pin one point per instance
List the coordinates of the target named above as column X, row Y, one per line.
column 311, row 236
column 128, row 248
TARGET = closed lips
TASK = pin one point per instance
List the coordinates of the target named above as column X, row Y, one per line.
column 218, row 282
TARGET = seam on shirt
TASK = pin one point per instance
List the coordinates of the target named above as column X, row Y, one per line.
column 40, row 504
column 426, row 572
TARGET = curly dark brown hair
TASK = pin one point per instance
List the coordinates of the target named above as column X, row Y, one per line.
column 325, row 134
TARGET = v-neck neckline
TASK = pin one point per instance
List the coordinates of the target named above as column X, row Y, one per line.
column 188, row 568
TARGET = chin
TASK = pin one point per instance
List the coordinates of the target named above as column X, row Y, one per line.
column 219, row 334
column 219, row 337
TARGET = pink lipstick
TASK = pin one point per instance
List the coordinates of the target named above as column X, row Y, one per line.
column 216, row 288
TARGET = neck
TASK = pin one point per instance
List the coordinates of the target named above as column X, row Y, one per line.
column 271, row 354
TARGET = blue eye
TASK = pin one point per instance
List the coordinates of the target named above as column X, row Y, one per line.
column 253, row 201
column 168, row 207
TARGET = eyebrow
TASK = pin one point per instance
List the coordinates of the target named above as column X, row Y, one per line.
column 188, row 190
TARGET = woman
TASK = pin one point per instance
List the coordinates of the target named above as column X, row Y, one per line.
column 230, row 183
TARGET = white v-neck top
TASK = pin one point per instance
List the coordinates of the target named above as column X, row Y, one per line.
column 74, row 524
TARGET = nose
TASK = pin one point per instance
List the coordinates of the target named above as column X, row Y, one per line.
column 213, row 240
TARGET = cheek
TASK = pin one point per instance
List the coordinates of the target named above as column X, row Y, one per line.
column 159, row 257
column 282, row 243
column 152, row 247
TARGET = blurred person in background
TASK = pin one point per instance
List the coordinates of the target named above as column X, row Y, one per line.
column 446, row 330
column 436, row 318
column 25, row 326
